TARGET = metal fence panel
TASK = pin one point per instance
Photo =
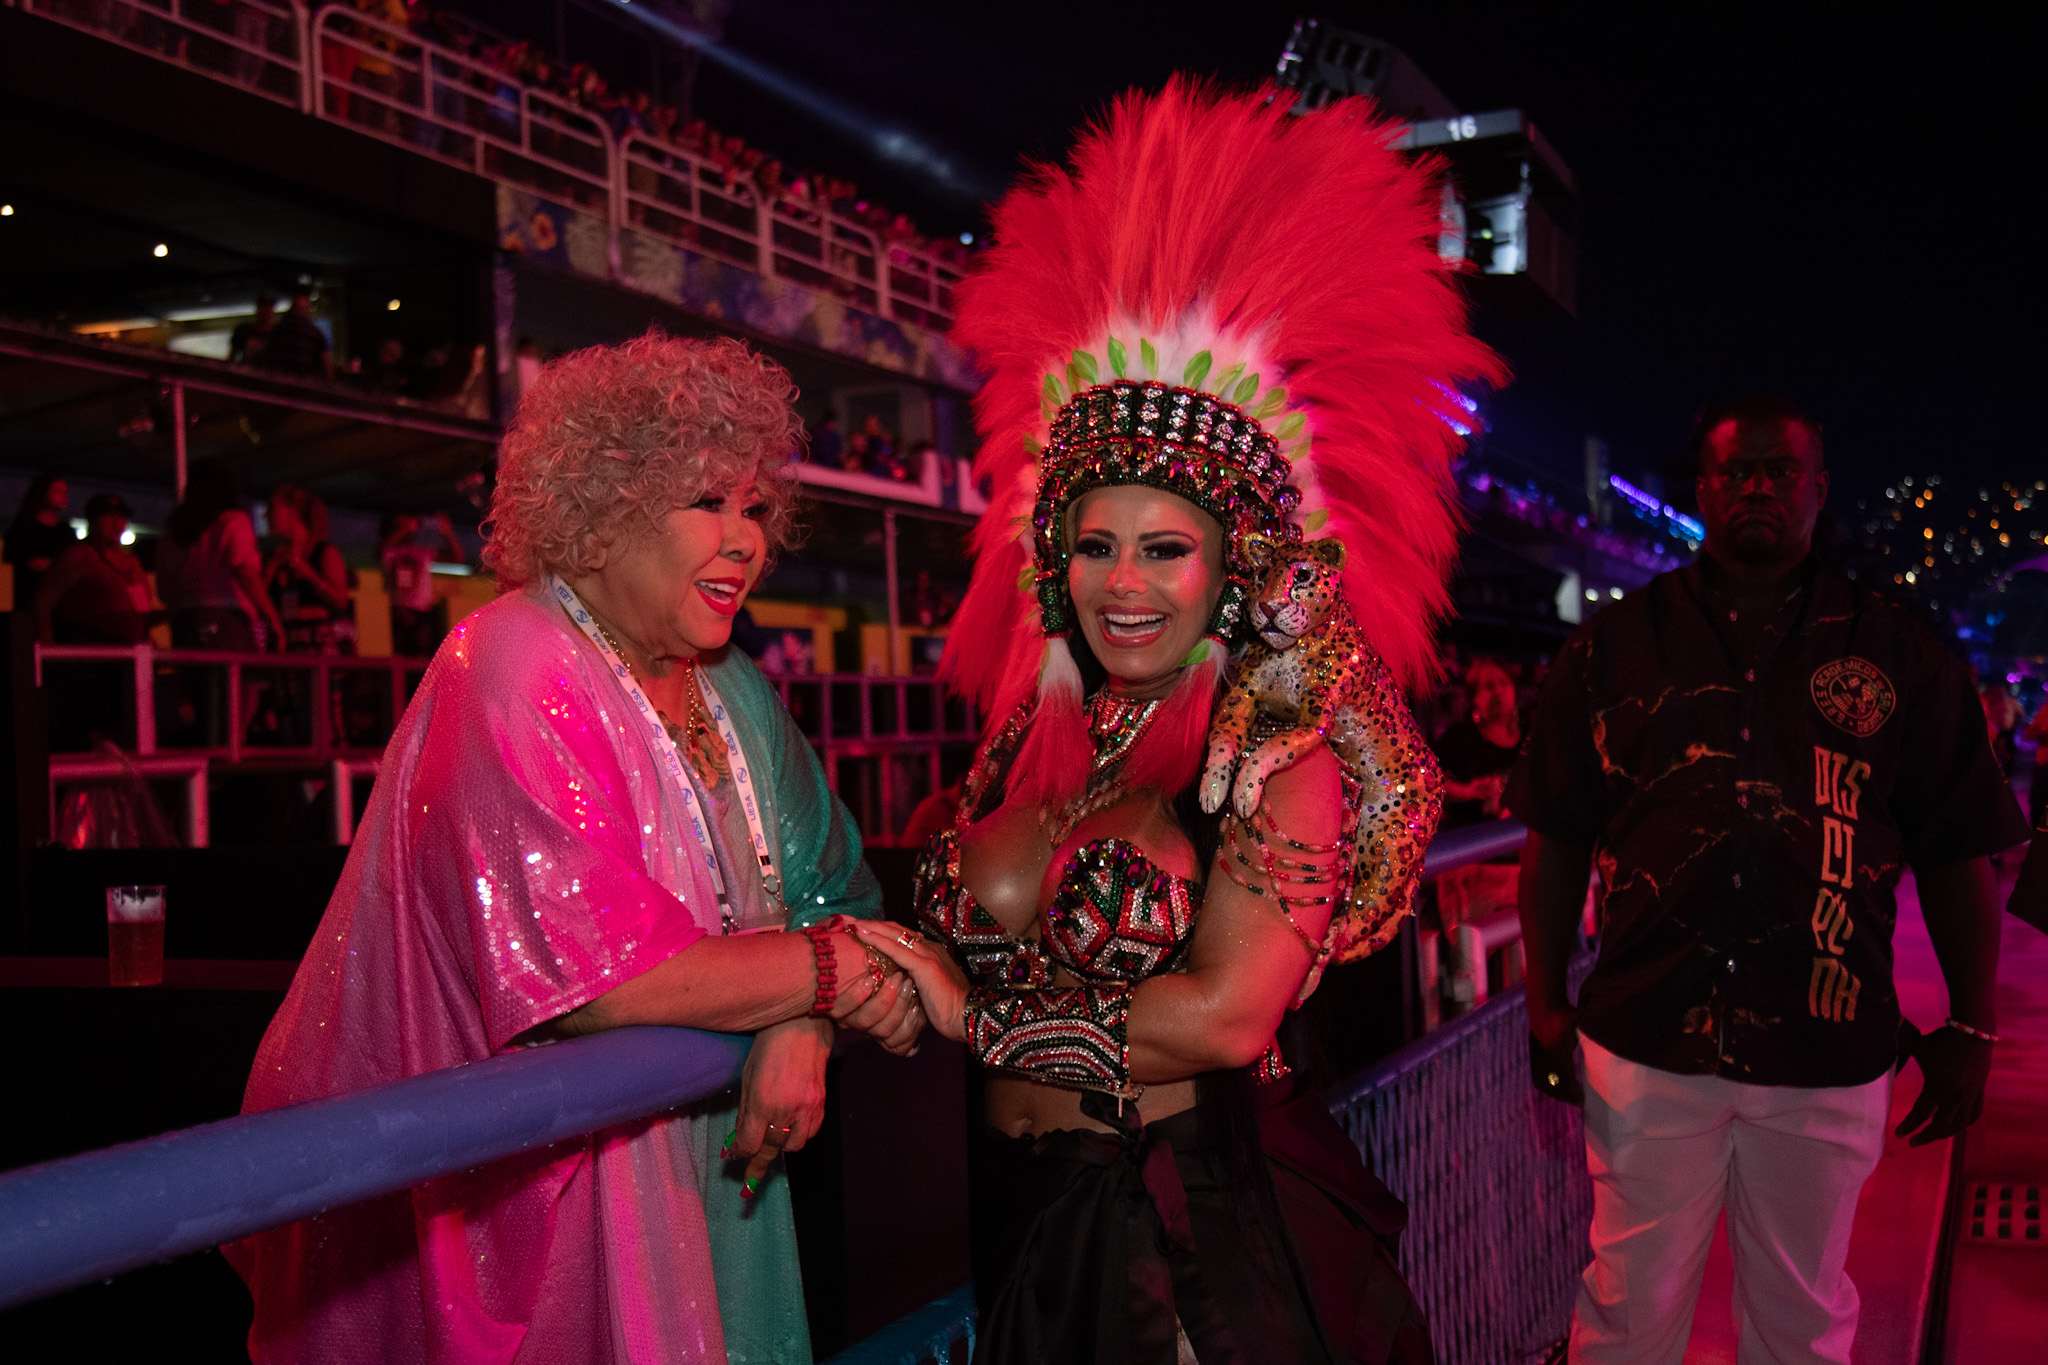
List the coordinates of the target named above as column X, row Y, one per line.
column 1494, row 1176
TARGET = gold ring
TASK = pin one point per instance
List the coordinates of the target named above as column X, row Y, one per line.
column 910, row 938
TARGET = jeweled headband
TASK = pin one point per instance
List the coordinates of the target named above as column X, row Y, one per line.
column 1181, row 441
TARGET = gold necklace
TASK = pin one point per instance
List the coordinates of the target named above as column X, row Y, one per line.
column 611, row 640
column 697, row 736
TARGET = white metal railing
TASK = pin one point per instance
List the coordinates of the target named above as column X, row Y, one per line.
column 666, row 193
column 690, row 200
column 193, row 770
column 932, row 488
column 882, row 740
column 344, row 66
column 319, row 741
column 1460, row 977
column 258, row 45
column 381, row 80
column 341, row 784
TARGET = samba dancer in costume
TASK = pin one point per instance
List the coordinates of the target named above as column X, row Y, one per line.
column 1222, row 354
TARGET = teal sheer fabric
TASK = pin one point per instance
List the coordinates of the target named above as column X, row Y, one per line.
column 753, row 1244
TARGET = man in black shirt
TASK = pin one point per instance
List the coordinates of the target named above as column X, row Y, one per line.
column 1755, row 749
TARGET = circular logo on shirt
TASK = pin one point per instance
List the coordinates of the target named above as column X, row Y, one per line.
column 1855, row 695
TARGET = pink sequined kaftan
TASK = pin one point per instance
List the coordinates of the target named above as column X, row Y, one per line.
column 519, row 857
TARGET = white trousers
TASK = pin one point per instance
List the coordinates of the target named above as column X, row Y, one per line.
column 1667, row 1153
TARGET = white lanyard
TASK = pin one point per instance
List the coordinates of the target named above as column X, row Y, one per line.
column 695, row 810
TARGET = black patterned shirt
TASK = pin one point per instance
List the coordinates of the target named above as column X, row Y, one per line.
column 1751, row 818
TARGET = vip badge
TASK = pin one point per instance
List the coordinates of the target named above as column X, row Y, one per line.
column 1855, row 695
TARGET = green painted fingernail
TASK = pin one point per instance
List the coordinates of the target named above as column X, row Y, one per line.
column 750, row 1187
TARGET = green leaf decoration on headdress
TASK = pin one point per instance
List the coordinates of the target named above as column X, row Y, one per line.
column 1292, row 426
column 1149, row 358
column 1118, row 357
column 1197, row 370
column 1270, row 405
column 1034, row 445
column 1084, row 365
column 1227, row 381
column 1196, row 655
column 1074, row 384
column 1052, row 390
column 1246, row 387
column 1317, row 520
column 1027, row 578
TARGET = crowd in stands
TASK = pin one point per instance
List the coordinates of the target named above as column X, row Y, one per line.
column 443, row 376
column 634, row 111
column 869, row 449
column 291, row 343
column 222, row 587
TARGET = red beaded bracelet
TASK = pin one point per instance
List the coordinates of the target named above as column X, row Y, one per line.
column 827, row 963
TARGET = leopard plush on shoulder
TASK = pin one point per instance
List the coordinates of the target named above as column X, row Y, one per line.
column 1308, row 661
column 1309, row 679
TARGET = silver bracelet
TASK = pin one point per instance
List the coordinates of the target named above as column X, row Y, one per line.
column 1960, row 1027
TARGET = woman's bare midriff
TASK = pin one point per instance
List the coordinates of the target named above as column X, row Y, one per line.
column 1016, row 1107
column 1012, row 871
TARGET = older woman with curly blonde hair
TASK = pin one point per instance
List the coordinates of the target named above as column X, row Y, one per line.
column 594, row 814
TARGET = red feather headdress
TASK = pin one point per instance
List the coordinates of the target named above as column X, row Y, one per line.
column 1272, row 279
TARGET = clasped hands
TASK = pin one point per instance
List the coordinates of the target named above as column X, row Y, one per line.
column 874, row 995
column 782, row 1087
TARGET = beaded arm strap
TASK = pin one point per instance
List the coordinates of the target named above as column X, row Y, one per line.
column 1289, row 883
column 1069, row 1035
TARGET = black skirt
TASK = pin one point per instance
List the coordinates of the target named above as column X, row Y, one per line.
column 1089, row 1246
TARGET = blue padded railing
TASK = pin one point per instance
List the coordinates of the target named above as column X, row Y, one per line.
column 927, row 1335
column 1458, row 848
column 86, row 1218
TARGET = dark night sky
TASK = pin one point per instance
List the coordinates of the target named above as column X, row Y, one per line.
column 1825, row 200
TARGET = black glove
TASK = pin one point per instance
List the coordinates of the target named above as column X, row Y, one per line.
column 1554, row 1068
column 1953, row 1069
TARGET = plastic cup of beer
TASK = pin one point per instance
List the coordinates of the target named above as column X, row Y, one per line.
column 135, row 935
